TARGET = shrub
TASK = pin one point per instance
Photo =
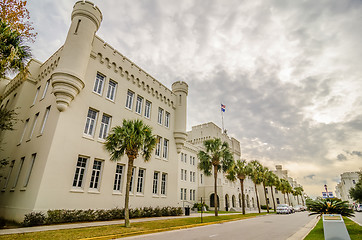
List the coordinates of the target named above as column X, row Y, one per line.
column 166, row 211
column 103, row 215
column 134, row 213
column 263, row 207
column 157, row 212
column 2, row 222
column 329, row 206
column 117, row 213
column 34, row 219
column 199, row 206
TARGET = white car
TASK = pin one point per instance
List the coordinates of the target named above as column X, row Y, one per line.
column 283, row 209
column 359, row 207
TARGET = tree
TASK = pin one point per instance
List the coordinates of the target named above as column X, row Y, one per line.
column 356, row 192
column 329, row 206
column 15, row 14
column 264, row 171
column 299, row 191
column 133, row 138
column 239, row 170
column 254, row 173
column 7, row 119
column 272, row 180
column 284, row 187
column 13, row 53
column 216, row 157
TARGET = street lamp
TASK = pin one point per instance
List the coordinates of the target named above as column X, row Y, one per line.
column 325, row 186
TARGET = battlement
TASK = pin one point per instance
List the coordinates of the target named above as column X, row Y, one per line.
column 88, row 9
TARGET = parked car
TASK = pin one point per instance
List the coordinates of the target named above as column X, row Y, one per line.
column 283, row 209
column 359, row 207
column 298, row 208
column 291, row 209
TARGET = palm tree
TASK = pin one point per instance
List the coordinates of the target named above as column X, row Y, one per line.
column 283, row 188
column 254, row 173
column 272, row 180
column 13, row 53
column 132, row 139
column 216, row 156
column 264, row 171
column 299, row 191
column 239, row 171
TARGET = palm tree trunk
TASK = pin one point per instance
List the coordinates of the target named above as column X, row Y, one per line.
column 288, row 199
column 297, row 199
column 275, row 209
column 242, row 195
column 285, row 200
column 126, row 200
column 302, row 199
column 266, row 200
column 215, row 191
column 257, row 198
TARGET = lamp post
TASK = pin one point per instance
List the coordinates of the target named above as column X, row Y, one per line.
column 325, row 186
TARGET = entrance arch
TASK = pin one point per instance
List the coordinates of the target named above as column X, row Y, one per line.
column 227, row 206
column 212, row 197
column 233, row 201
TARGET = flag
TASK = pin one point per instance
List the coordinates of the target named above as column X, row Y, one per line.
column 223, row 107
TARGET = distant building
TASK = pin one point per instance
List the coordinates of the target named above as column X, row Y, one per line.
column 348, row 181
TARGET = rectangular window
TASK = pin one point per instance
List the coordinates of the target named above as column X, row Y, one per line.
column 185, row 158
column 193, row 161
column 167, row 119
column 30, row 170
column 131, row 182
column 98, row 84
column 11, row 167
column 158, row 146
column 182, row 157
column 190, row 194
column 190, row 159
column 141, row 177
column 112, row 86
column 182, row 193
column 201, row 178
column 47, row 110
column 163, row 183
column 165, row 148
column 185, row 175
column 139, row 103
column 90, row 122
column 129, row 100
column 80, row 172
column 45, row 89
column 155, row 182
column 185, row 190
column 36, row 95
column 148, row 109
column 276, row 190
column 193, row 177
column 160, row 115
column 266, row 190
column 278, row 202
column 34, row 124
column 25, row 127
column 190, row 176
column 19, row 171
column 104, row 129
column 96, row 175
column 194, row 194
column 182, row 174
column 118, row 178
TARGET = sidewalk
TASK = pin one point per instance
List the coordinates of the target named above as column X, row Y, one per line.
column 102, row 223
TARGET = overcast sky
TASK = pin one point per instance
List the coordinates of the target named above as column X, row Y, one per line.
column 289, row 72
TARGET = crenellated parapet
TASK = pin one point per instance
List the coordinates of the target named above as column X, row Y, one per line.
column 68, row 77
column 125, row 68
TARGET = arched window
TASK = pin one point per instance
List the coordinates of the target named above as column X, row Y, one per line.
column 233, row 201
column 212, row 200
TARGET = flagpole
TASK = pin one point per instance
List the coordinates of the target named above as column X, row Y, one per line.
column 222, row 118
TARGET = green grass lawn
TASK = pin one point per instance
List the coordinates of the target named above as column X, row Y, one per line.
column 114, row 231
column 354, row 230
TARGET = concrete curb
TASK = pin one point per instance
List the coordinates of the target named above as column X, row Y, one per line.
column 304, row 231
column 355, row 221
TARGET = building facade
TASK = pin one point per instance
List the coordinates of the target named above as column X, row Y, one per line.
column 66, row 107
column 348, row 181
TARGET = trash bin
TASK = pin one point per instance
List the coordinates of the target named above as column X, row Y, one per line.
column 187, row 211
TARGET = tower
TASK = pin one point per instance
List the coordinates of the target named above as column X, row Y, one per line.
column 180, row 89
column 68, row 78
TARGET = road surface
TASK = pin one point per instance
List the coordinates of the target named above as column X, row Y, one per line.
column 260, row 228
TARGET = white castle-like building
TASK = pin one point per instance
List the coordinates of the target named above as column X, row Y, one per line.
column 66, row 107
column 348, row 181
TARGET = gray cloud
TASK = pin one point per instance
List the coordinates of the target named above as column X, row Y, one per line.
column 341, row 157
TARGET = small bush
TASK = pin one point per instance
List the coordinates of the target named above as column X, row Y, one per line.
column 263, row 207
column 199, row 206
column 166, row 211
column 329, row 206
column 157, row 212
column 103, row 215
column 34, row 219
column 117, row 213
column 2, row 222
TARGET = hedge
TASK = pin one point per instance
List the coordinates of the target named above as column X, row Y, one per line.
column 70, row 216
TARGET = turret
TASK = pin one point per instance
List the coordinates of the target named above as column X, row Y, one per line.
column 68, row 78
column 180, row 89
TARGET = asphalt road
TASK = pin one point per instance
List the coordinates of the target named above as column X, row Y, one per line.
column 357, row 217
column 260, row 228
